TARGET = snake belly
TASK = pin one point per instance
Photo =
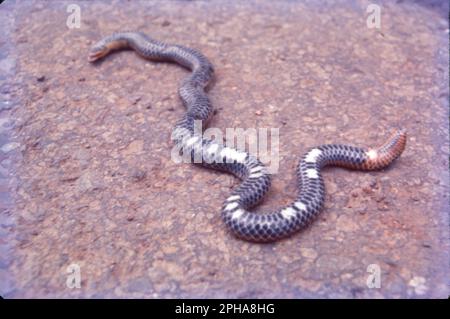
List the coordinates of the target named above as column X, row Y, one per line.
column 247, row 225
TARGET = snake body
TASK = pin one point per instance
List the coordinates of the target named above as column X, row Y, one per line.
column 260, row 227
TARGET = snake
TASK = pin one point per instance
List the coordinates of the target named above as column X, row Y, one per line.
column 255, row 178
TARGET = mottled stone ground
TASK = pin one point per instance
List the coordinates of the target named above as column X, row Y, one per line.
column 85, row 150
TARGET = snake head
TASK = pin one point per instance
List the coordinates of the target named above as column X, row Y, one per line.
column 98, row 51
column 102, row 48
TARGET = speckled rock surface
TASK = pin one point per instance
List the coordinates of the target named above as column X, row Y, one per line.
column 85, row 150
